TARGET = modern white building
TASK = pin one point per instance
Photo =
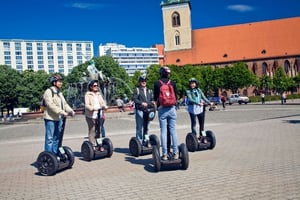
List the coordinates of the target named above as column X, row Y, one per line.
column 131, row 59
column 48, row 55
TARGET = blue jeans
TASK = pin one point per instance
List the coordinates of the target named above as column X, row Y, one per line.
column 167, row 117
column 141, row 126
column 52, row 135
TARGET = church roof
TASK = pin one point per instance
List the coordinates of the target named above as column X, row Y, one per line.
column 250, row 41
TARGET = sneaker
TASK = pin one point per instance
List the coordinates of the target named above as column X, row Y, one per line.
column 164, row 157
column 176, row 156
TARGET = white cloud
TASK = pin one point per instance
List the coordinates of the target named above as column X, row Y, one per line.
column 240, row 8
column 89, row 6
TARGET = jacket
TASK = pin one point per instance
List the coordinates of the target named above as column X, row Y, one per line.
column 193, row 98
column 56, row 104
column 89, row 103
column 139, row 97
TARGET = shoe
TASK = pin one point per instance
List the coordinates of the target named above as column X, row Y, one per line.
column 176, row 156
column 164, row 157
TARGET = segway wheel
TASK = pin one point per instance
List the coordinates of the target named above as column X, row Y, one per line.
column 70, row 156
column 211, row 139
column 154, row 140
column 87, row 151
column 135, row 147
column 184, row 156
column 108, row 146
column 191, row 142
column 156, row 158
column 47, row 163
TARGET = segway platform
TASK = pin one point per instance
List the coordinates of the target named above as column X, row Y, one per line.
column 182, row 162
column 137, row 149
column 49, row 164
column 196, row 144
column 103, row 149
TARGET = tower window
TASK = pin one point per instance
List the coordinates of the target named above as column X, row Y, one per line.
column 175, row 19
column 177, row 39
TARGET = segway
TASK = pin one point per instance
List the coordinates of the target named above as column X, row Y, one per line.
column 103, row 148
column 138, row 148
column 182, row 162
column 195, row 143
column 49, row 163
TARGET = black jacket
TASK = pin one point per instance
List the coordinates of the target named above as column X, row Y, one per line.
column 139, row 97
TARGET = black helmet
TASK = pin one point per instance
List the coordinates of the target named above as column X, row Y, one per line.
column 164, row 71
column 91, row 83
column 55, row 77
column 142, row 78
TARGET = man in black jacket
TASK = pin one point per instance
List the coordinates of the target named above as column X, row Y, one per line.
column 143, row 99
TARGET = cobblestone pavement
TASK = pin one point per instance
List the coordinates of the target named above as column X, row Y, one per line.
column 257, row 156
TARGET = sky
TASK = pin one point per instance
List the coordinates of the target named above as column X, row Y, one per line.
column 133, row 23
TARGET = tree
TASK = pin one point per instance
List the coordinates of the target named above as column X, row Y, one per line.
column 281, row 81
column 265, row 84
column 9, row 80
column 32, row 87
column 238, row 76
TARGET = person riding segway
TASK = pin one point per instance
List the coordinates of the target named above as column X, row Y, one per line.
column 96, row 147
column 145, row 111
column 55, row 157
column 196, row 108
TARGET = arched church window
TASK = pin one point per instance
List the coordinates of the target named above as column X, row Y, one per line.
column 287, row 67
column 175, row 19
column 254, row 68
column 264, row 68
column 177, row 38
column 297, row 66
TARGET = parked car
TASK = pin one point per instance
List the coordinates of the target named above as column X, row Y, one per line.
column 236, row 98
column 215, row 100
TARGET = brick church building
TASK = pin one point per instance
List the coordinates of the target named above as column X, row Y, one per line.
column 263, row 46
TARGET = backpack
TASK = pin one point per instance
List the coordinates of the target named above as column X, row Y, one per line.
column 167, row 94
column 43, row 104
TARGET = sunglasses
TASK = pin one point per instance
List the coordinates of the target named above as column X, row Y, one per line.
column 95, row 85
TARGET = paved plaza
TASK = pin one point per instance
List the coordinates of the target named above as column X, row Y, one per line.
column 257, row 156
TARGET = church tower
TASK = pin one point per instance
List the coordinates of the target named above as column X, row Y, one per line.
column 177, row 24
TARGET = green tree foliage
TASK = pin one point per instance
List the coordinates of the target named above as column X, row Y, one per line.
column 265, row 84
column 9, row 81
column 238, row 76
column 32, row 87
column 282, row 82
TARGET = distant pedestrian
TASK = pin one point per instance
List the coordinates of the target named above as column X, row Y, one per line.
column 120, row 104
column 262, row 95
column 223, row 100
column 283, row 98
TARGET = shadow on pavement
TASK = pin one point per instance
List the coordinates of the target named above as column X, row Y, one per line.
column 292, row 121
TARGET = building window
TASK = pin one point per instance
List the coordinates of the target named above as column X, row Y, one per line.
column 59, row 47
column 296, row 66
column 175, row 19
column 287, row 67
column 69, row 47
column 264, row 68
column 254, row 68
column 177, row 39
column 6, row 46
